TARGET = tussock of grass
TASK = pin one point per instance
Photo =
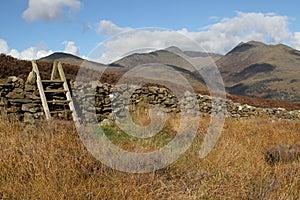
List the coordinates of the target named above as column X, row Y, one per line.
column 49, row 161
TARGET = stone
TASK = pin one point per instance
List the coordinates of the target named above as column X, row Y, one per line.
column 32, row 96
column 30, row 88
column 29, row 118
column 19, row 83
column 14, row 95
column 162, row 91
column 13, row 109
column 12, row 79
column 18, row 90
column 151, row 98
column 20, row 101
column 17, row 93
column 30, row 107
column 106, row 122
column 31, row 79
column 3, row 102
column 107, row 109
column 169, row 102
column 153, row 90
column 38, row 115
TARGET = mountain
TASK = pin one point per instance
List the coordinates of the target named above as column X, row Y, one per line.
column 251, row 69
column 258, row 70
column 161, row 56
column 171, row 62
column 64, row 57
column 70, row 59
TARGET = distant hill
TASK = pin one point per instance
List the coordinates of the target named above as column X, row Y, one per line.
column 161, row 56
column 251, row 69
column 171, row 58
column 258, row 70
column 71, row 60
column 63, row 57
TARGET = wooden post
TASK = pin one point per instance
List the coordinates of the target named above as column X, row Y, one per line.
column 54, row 70
column 41, row 90
column 68, row 93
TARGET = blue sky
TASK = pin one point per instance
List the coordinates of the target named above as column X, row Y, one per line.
column 35, row 28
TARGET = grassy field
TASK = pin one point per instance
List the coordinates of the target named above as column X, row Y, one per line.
column 49, row 161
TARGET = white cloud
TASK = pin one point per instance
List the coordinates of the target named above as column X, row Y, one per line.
column 48, row 10
column 296, row 40
column 223, row 35
column 139, row 41
column 71, row 48
column 219, row 37
column 106, row 27
column 3, row 46
column 30, row 53
column 214, row 18
column 38, row 51
column 269, row 28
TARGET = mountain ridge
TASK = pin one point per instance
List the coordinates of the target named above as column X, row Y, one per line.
column 251, row 68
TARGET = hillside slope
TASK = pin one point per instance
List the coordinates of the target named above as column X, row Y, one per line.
column 258, row 70
column 171, row 64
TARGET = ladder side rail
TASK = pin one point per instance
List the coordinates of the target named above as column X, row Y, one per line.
column 41, row 90
column 54, row 70
column 68, row 93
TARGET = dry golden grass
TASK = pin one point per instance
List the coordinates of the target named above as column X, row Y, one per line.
column 49, row 161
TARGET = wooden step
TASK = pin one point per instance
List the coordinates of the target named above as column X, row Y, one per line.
column 55, row 91
column 61, row 111
column 59, row 101
column 52, row 81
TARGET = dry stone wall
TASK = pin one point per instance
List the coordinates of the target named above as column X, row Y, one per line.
column 107, row 97
column 21, row 98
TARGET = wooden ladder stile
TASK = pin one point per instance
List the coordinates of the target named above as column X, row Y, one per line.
column 62, row 80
